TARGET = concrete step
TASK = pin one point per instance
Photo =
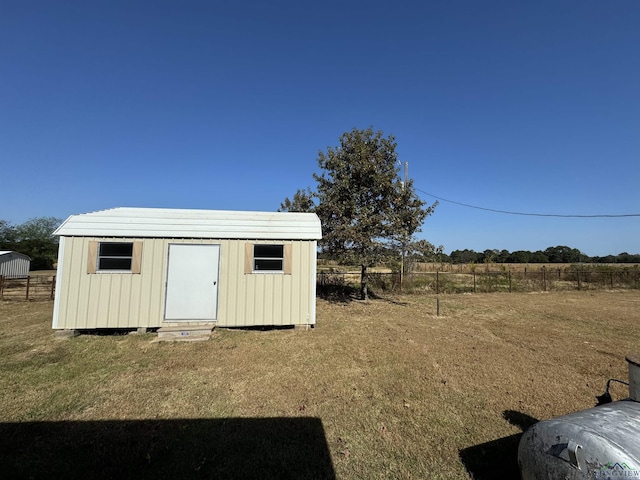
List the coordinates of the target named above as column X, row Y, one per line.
column 190, row 333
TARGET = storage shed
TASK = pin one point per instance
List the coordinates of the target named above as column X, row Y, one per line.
column 148, row 267
column 14, row 264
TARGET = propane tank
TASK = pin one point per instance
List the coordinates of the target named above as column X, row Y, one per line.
column 599, row 443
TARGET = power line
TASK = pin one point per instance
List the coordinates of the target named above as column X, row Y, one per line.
column 528, row 214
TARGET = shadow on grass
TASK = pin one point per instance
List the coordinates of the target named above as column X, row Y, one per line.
column 497, row 459
column 232, row 448
column 112, row 332
column 337, row 293
column 349, row 293
column 519, row 419
column 258, row 328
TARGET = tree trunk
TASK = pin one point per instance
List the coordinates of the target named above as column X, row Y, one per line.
column 364, row 294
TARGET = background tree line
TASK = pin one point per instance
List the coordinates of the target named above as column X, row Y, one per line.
column 558, row 254
column 33, row 238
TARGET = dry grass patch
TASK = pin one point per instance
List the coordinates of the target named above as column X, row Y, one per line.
column 397, row 391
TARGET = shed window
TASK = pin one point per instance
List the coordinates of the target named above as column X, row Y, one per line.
column 268, row 258
column 115, row 256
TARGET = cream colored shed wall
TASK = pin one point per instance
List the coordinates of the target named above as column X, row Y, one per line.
column 125, row 300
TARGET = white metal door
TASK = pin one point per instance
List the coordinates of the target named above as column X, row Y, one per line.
column 192, row 282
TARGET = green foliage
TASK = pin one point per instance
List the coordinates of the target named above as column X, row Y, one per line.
column 558, row 254
column 302, row 202
column 367, row 212
column 356, row 188
column 465, row 256
column 33, row 238
column 419, row 251
column 563, row 254
column 384, row 282
column 623, row 257
column 333, row 285
column 493, row 282
column 365, row 208
column 520, row 256
column 8, row 235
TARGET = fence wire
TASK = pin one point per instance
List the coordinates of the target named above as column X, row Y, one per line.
column 486, row 281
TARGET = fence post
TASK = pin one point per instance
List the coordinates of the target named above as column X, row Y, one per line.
column 28, row 282
column 544, row 279
column 437, row 282
column 611, row 280
column 53, row 287
column 578, row 273
column 510, row 281
column 474, row 282
column 1, row 287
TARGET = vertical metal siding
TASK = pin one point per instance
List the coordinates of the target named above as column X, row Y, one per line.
column 125, row 300
column 313, row 268
column 56, row 299
column 14, row 266
column 265, row 299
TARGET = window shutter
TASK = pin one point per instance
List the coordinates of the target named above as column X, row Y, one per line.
column 287, row 259
column 248, row 258
column 92, row 256
column 136, row 259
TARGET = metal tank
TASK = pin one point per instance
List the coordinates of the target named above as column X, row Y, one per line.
column 599, row 443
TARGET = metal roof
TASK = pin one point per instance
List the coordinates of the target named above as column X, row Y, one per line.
column 7, row 252
column 183, row 223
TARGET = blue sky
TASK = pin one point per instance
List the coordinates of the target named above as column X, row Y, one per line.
column 509, row 105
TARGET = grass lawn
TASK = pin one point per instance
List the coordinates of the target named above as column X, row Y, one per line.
column 378, row 390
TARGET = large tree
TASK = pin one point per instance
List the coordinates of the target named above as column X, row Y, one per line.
column 302, row 201
column 365, row 208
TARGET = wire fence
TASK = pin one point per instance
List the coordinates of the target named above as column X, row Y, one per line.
column 437, row 282
column 42, row 287
column 32, row 287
